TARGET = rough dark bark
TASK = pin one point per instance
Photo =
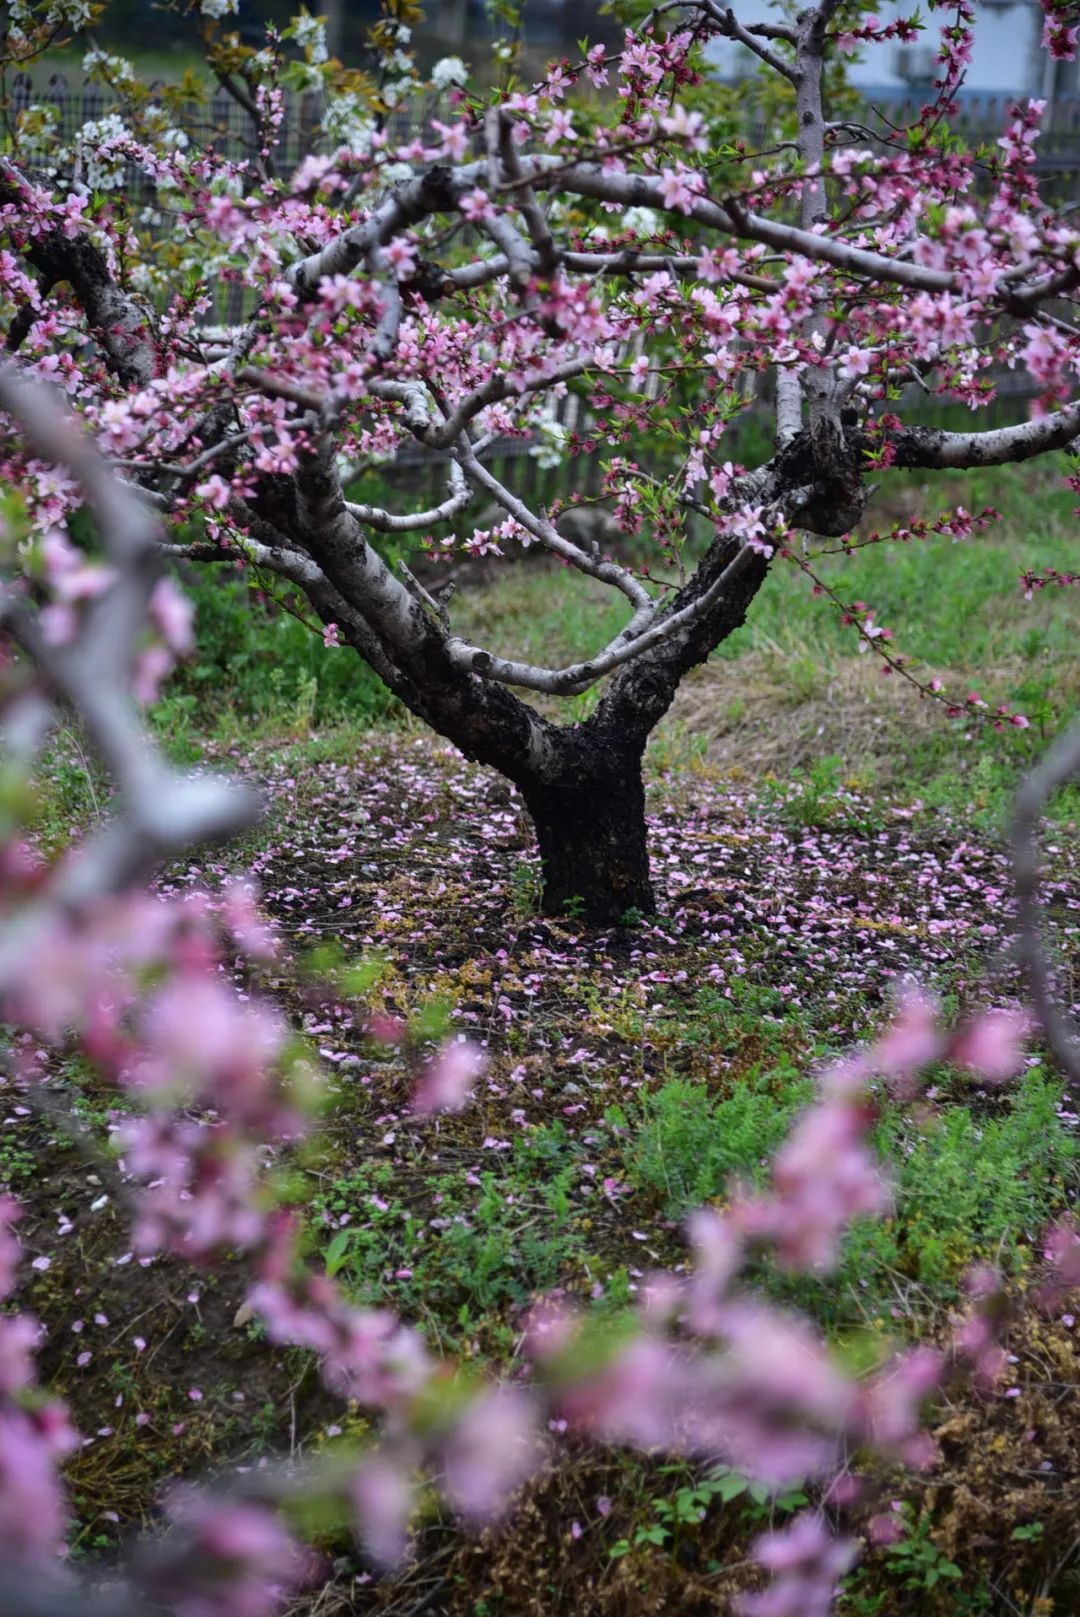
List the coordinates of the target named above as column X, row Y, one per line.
column 640, row 694
column 589, row 819
column 120, row 323
column 582, row 784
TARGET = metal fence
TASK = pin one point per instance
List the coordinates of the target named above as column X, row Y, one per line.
column 220, row 122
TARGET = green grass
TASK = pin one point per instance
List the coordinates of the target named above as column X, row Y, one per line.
column 953, row 604
column 168, row 63
column 462, row 1242
column 460, row 1248
column 968, row 1187
column 550, row 614
column 955, row 609
column 688, row 1147
column 259, row 664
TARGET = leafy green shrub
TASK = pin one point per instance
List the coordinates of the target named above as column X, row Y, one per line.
column 468, row 1246
column 256, row 659
column 689, row 1143
column 967, row 1188
column 679, row 1517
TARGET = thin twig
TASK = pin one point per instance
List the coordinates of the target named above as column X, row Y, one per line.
column 1058, row 767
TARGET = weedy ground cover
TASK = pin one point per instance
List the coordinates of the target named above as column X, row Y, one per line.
column 632, row 1076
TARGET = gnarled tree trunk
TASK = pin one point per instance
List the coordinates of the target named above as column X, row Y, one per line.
column 583, row 786
column 589, row 817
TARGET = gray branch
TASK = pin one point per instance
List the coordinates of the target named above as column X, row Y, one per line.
column 160, row 812
column 632, row 642
column 1060, row 765
column 1000, row 446
column 373, row 516
column 608, row 572
column 728, row 24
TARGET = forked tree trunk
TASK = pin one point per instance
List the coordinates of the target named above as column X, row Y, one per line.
column 581, row 783
column 590, row 829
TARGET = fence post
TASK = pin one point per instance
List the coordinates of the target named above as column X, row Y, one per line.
column 22, row 93
column 59, row 96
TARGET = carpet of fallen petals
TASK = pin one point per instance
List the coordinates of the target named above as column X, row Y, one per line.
column 783, row 926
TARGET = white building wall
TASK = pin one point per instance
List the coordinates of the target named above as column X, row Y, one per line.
column 1005, row 57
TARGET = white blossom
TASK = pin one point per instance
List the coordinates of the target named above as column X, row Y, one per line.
column 69, row 14
column 215, row 9
column 347, row 121
column 306, row 76
column 227, row 184
column 450, row 70
column 549, row 449
column 117, row 69
column 166, row 134
column 641, row 221
column 103, row 169
column 310, row 35
column 37, row 125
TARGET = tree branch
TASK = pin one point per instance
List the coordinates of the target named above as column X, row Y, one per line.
column 628, row 645
column 373, row 516
column 608, row 572
column 728, row 24
column 161, row 812
column 120, row 325
column 819, row 382
column 998, row 446
column 1060, row 765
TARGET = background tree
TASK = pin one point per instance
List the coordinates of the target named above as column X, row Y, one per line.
column 444, row 289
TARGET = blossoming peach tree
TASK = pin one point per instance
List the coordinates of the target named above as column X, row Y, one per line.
column 245, row 430
column 605, row 230
column 215, row 1097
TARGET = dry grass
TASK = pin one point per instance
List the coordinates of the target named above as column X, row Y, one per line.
column 770, row 715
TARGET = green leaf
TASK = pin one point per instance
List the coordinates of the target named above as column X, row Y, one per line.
column 336, row 1252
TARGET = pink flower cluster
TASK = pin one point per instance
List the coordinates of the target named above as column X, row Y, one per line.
column 35, row 1435
column 1060, row 29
